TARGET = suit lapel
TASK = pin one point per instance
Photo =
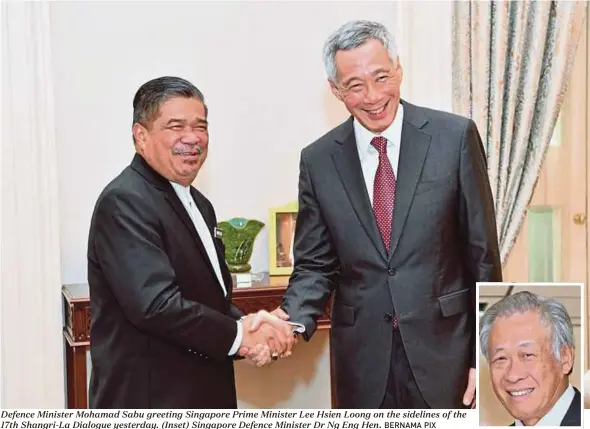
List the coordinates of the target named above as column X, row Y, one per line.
column 413, row 151
column 348, row 166
column 574, row 412
column 161, row 183
column 225, row 274
column 188, row 223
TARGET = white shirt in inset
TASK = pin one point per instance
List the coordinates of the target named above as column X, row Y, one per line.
column 558, row 412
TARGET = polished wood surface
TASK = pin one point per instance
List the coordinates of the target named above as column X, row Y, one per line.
column 265, row 292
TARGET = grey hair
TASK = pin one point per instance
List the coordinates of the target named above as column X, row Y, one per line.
column 352, row 35
column 152, row 94
column 551, row 312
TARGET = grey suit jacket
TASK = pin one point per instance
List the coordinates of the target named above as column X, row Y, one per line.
column 443, row 241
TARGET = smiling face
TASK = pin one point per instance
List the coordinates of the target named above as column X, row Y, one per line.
column 175, row 143
column 368, row 84
column 526, row 376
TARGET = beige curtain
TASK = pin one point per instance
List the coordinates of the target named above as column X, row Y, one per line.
column 31, row 346
column 511, row 66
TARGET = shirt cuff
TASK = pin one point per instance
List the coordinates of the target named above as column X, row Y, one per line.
column 297, row 327
column 239, row 335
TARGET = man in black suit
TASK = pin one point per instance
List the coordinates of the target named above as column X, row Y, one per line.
column 164, row 333
column 529, row 343
column 396, row 220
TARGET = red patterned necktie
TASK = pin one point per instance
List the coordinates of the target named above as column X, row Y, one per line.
column 384, row 197
column 383, row 191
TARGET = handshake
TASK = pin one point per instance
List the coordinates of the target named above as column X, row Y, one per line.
column 267, row 336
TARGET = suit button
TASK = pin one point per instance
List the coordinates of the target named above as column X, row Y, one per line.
column 392, row 271
column 388, row 317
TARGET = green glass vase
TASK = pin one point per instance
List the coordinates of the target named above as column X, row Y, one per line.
column 238, row 235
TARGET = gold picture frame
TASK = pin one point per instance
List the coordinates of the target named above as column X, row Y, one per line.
column 280, row 238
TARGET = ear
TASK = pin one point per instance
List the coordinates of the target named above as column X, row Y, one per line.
column 335, row 90
column 568, row 355
column 140, row 135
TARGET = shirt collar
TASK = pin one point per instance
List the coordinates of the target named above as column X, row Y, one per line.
column 392, row 133
column 558, row 412
column 182, row 191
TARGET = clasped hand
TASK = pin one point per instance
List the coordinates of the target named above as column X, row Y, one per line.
column 266, row 337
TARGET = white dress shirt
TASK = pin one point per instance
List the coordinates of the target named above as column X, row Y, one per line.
column 184, row 194
column 558, row 412
column 369, row 156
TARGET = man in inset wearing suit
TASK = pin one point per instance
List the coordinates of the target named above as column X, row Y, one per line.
column 396, row 219
column 164, row 333
column 529, row 343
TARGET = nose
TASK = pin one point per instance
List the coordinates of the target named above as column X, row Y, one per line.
column 372, row 94
column 515, row 372
column 190, row 137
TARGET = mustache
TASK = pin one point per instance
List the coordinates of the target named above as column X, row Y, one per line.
column 181, row 150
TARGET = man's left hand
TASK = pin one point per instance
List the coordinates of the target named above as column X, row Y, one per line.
column 469, row 396
column 259, row 355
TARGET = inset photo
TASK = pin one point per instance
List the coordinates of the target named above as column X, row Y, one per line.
column 531, row 354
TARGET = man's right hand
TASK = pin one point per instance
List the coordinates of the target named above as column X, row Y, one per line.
column 278, row 319
column 263, row 331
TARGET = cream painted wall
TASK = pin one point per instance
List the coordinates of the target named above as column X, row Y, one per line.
column 259, row 65
column 423, row 31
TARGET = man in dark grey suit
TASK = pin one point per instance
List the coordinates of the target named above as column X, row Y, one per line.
column 529, row 343
column 396, row 220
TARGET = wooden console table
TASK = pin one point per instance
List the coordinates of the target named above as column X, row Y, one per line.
column 266, row 294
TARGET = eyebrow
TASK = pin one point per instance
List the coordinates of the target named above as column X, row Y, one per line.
column 381, row 70
column 183, row 121
column 375, row 73
column 520, row 344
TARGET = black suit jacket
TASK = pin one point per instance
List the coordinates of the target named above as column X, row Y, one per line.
column 443, row 241
column 573, row 416
column 161, row 327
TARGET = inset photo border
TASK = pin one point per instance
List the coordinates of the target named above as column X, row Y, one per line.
column 518, row 354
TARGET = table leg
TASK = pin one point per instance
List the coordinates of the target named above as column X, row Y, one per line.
column 76, row 373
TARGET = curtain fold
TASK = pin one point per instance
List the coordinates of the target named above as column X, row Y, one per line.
column 511, row 65
column 31, row 350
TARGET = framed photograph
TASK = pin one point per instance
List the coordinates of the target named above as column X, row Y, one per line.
column 280, row 238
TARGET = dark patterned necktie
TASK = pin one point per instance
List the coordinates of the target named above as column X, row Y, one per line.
column 383, row 191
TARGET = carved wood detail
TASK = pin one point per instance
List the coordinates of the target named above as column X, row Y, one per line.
column 263, row 295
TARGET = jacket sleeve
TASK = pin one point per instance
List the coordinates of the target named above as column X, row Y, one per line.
column 130, row 247
column 316, row 264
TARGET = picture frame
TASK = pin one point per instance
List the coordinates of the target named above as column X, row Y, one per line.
column 281, row 234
